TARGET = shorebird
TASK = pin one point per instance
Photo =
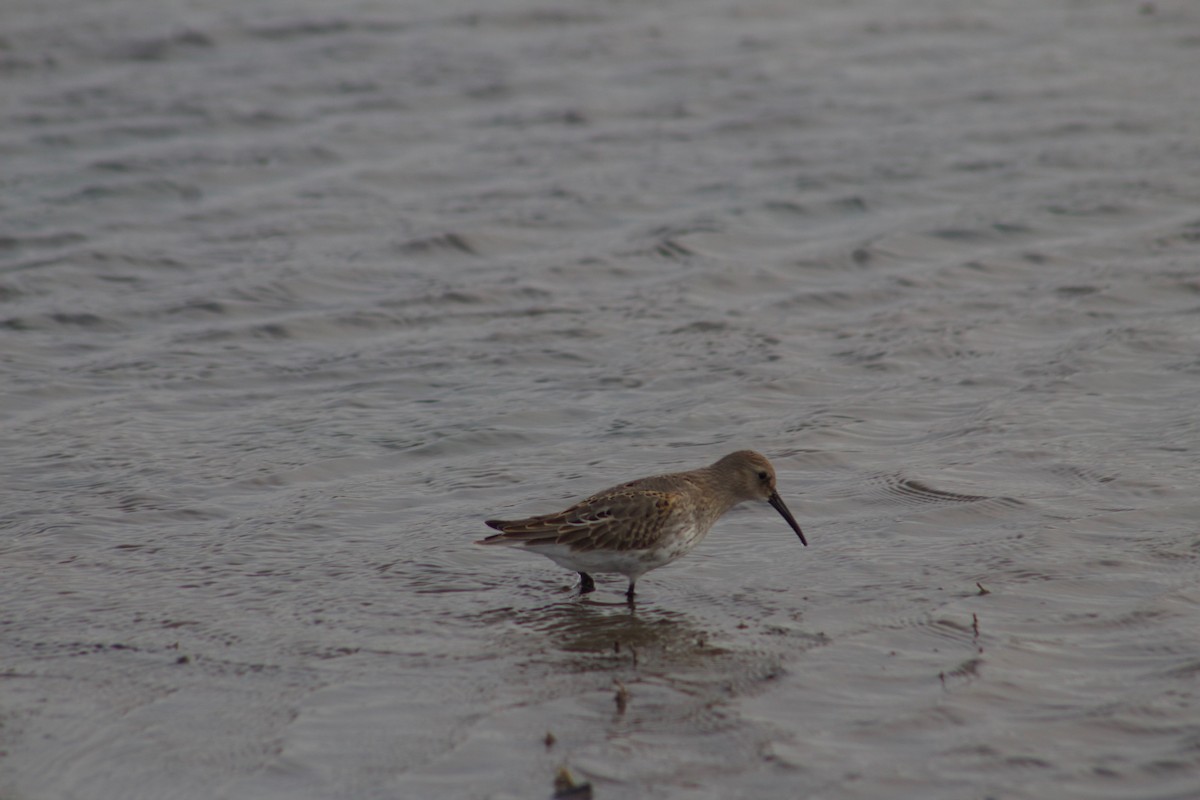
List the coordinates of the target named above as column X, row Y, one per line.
column 643, row 524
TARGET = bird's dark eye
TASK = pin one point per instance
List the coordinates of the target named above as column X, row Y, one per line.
column 762, row 476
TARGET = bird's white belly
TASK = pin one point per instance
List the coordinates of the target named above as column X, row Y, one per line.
column 630, row 563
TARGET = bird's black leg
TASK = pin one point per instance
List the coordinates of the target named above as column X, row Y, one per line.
column 586, row 584
column 629, row 593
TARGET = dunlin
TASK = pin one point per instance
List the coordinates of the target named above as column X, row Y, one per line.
column 641, row 525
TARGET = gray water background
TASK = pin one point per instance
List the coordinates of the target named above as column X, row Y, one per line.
column 294, row 294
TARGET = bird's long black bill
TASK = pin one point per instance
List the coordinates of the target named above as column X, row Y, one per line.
column 777, row 503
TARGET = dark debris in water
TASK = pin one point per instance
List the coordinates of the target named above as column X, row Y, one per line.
column 620, row 696
column 565, row 787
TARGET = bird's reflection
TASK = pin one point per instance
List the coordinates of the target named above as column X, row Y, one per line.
column 617, row 631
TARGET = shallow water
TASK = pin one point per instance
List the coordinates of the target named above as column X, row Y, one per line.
column 293, row 296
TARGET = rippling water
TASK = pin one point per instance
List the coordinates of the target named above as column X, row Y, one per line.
column 293, row 295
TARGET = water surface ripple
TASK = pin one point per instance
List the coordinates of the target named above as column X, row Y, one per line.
column 294, row 295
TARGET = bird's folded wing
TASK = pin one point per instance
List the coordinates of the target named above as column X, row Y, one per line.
column 619, row 520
